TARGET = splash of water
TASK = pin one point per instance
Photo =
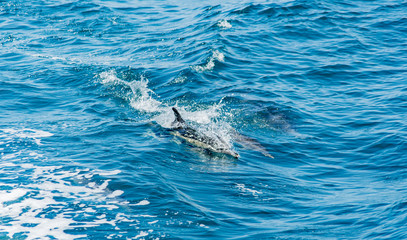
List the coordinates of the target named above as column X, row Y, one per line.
column 206, row 120
column 141, row 98
column 210, row 64
column 224, row 24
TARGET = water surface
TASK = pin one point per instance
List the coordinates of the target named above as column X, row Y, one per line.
column 86, row 94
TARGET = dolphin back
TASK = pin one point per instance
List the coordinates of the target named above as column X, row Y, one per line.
column 197, row 138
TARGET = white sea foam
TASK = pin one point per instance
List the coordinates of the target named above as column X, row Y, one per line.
column 245, row 189
column 115, row 194
column 218, row 55
column 200, row 116
column 210, row 64
column 6, row 196
column 179, row 79
column 142, row 203
column 49, row 189
column 33, row 134
column 40, row 201
column 109, row 77
column 141, row 234
column 141, row 96
column 224, row 24
column 205, row 116
column 153, row 222
column 203, row 225
column 165, row 118
column 108, row 173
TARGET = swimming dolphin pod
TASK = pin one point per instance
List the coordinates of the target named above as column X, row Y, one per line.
column 213, row 143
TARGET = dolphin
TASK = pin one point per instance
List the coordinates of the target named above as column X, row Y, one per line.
column 180, row 129
column 251, row 143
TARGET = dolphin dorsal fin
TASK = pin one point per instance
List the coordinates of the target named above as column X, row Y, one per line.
column 178, row 118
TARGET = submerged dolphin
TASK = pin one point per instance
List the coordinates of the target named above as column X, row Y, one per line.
column 186, row 132
column 251, row 143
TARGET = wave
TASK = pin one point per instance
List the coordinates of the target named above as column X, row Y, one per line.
column 39, row 199
column 210, row 63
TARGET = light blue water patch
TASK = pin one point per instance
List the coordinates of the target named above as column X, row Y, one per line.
column 310, row 94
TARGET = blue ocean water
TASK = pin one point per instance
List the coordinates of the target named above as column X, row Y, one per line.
column 86, row 90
